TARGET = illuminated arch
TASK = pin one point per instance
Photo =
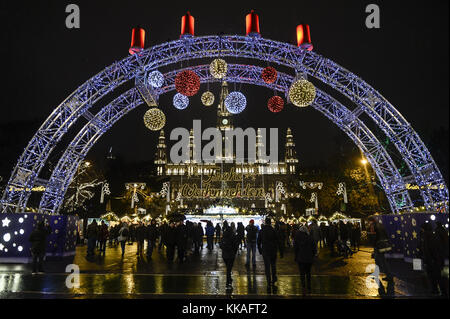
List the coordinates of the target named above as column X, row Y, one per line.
column 414, row 153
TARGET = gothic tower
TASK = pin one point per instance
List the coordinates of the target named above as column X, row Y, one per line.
column 290, row 153
column 161, row 155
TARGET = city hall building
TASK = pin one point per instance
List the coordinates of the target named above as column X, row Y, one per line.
column 226, row 186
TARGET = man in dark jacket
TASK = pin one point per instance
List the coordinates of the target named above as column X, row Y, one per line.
column 170, row 241
column 38, row 240
column 198, row 237
column 210, row 230
column 268, row 246
column 92, row 234
column 378, row 236
column 103, row 237
column 218, row 232
column 252, row 235
column 152, row 235
column 229, row 245
column 140, row 233
column 162, row 235
column 181, row 240
column 305, row 249
column 433, row 259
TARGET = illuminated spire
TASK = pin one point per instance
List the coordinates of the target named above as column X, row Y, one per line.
column 161, row 155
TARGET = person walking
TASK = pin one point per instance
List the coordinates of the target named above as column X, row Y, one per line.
column 218, row 233
column 433, row 259
column 103, row 237
column 162, row 235
column 380, row 242
column 181, row 241
column 356, row 236
column 209, row 235
column 315, row 234
column 240, row 232
column 151, row 236
column 92, row 234
column 229, row 245
column 170, row 242
column 268, row 246
column 124, row 233
column 198, row 237
column 252, row 235
column 305, row 249
column 38, row 240
column 140, row 232
column 323, row 235
column 332, row 237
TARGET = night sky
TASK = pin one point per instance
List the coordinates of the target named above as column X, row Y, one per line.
column 406, row 61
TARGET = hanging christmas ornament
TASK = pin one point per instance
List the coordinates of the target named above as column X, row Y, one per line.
column 302, row 93
column 235, row 102
column 180, row 101
column 269, row 75
column 275, row 104
column 187, row 83
column 207, row 98
column 154, row 119
column 156, row 79
column 218, row 68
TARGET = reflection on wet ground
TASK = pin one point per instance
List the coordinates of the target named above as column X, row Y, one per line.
column 203, row 275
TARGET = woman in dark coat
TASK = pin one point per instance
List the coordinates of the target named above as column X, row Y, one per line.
column 170, row 241
column 305, row 249
column 229, row 244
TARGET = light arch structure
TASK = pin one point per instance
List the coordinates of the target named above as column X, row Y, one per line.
column 424, row 171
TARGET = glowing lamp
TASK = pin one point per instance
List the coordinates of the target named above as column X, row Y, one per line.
column 275, row 104
column 269, row 75
column 187, row 25
column 137, row 40
column 154, row 119
column 304, row 37
column 235, row 102
column 252, row 24
column 187, row 83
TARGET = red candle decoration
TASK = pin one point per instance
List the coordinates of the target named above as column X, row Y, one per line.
column 269, row 74
column 187, row 83
column 275, row 104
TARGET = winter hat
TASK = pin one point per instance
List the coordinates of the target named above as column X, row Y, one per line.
column 252, row 221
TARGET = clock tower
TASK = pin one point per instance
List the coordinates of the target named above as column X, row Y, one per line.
column 224, row 118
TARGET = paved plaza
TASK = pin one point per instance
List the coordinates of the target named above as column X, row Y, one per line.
column 203, row 276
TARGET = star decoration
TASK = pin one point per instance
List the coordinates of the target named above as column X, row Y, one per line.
column 414, row 234
column 399, row 232
column 5, row 222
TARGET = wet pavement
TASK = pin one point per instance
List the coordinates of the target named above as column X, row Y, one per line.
column 203, row 276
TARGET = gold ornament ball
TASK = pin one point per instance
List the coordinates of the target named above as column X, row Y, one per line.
column 154, row 119
column 207, row 98
column 218, row 68
column 302, row 93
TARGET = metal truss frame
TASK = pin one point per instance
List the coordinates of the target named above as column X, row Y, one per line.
column 424, row 171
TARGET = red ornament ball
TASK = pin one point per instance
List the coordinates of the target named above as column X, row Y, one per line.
column 187, row 83
column 275, row 104
column 269, row 74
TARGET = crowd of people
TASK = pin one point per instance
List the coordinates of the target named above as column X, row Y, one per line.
column 270, row 240
column 181, row 239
